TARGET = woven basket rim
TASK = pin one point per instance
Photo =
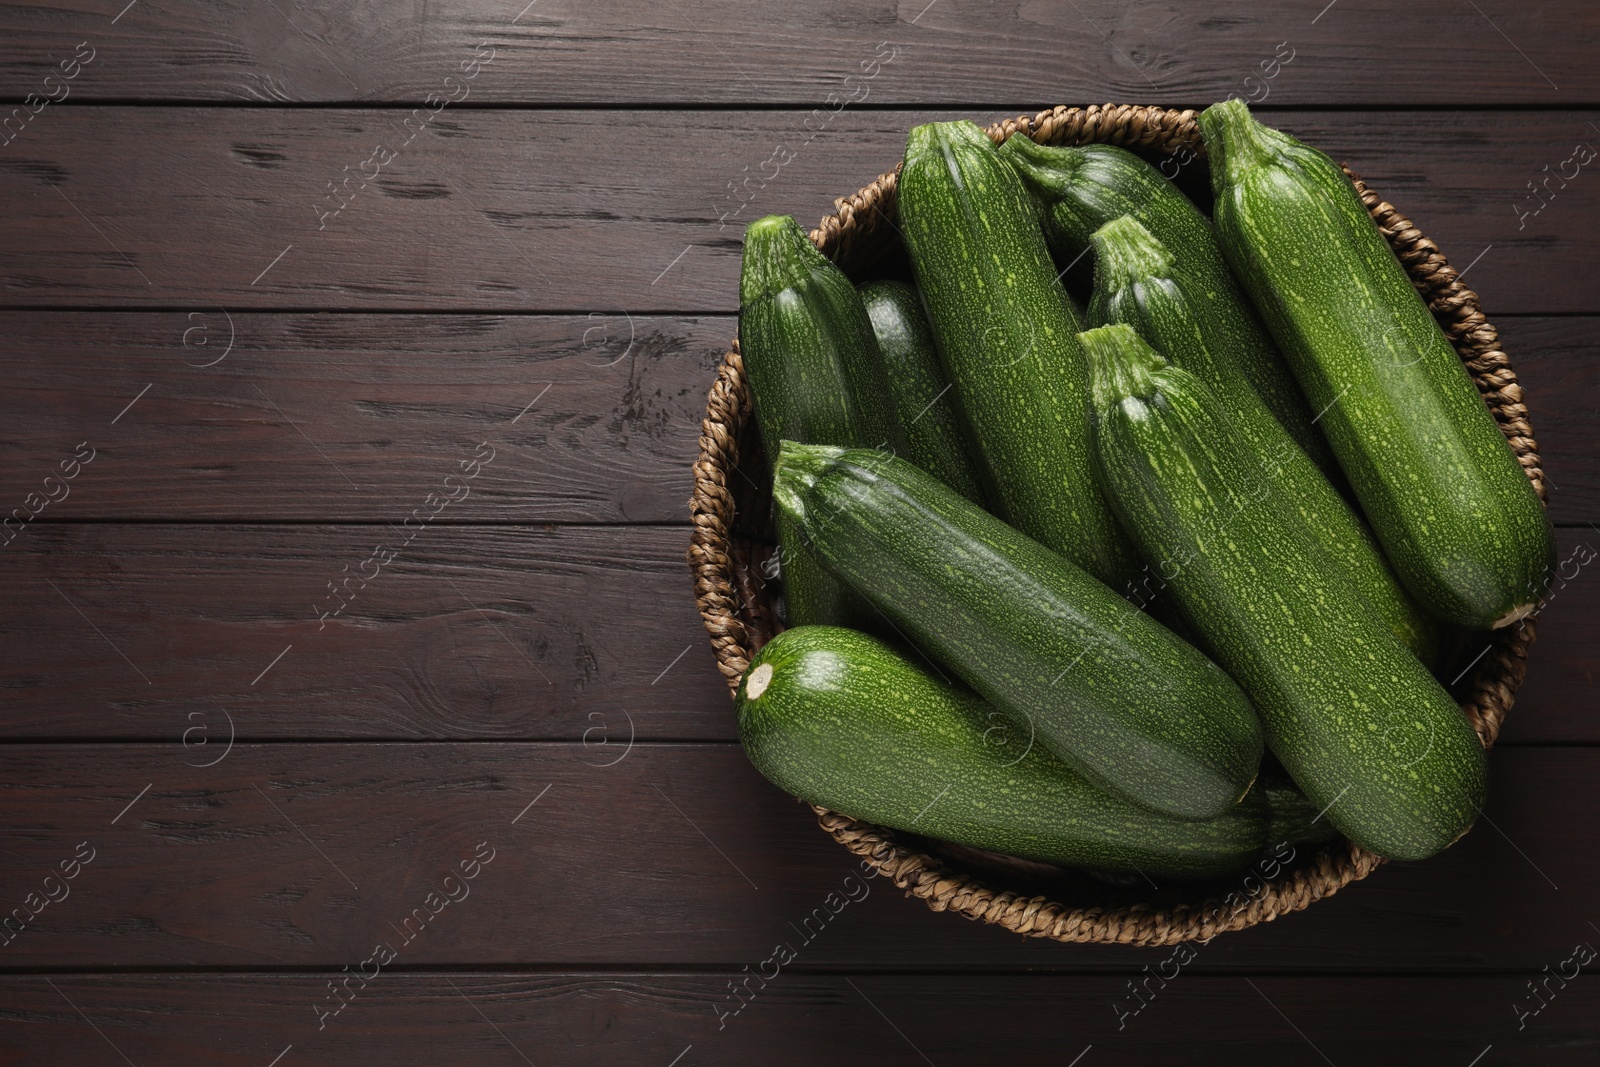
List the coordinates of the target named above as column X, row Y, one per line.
column 736, row 620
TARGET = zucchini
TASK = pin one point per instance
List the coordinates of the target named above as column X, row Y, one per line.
column 1362, row 727
column 816, row 375
column 1294, row 819
column 1096, row 681
column 918, row 387
column 843, row 720
column 1084, row 187
column 1138, row 282
column 1441, row 487
column 1004, row 328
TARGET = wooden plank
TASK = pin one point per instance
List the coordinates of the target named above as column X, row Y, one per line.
column 619, row 212
column 1554, row 360
column 516, row 1019
column 484, row 632
column 590, row 418
column 264, row 433
column 298, row 855
column 1556, row 701
column 560, row 51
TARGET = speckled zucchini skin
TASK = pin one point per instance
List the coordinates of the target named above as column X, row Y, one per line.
column 922, row 396
column 1095, row 681
column 1005, row 330
column 1137, row 281
column 1441, row 487
column 845, row 721
column 815, row 375
column 1362, row 727
column 1083, row 187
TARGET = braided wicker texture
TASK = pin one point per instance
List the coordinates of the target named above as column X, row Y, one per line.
column 731, row 538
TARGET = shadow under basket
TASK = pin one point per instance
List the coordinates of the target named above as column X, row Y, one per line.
column 732, row 541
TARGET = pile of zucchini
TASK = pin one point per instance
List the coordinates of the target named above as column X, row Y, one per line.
column 1058, row 592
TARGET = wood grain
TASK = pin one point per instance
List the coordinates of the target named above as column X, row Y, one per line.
column 530, row 632
column 490, row 1020
column 294, row 855
column 560, row 51
column 303, row 401
column 618, row 212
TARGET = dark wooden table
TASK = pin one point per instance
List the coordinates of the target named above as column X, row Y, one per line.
column 356, row 708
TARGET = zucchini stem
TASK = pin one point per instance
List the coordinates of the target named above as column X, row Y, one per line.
column 1126, row 253
column 1048, row 171
column 1121, row 365
column 1235, row 141
column 797, row 469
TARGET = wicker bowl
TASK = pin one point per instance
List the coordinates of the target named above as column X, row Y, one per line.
column 732, row 540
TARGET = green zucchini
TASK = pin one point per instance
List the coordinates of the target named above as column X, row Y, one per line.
column 1294, row 819
column 815, row 375
column 1084, row 187
column 1362, row 727
column 843, row 720
column 918, row 387
column 1137, row 281
column 1096, row 681
column 1004, row 328
column 1441, row 487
